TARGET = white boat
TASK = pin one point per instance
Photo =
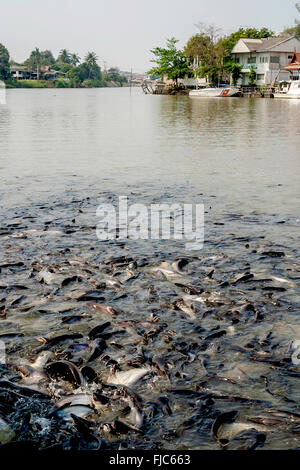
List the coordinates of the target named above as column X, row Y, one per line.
column 221, row 92
column 291, row 90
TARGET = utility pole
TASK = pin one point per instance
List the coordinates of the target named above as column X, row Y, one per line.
column 130, row 79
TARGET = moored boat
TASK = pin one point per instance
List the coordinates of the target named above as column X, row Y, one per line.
column 221, row 92
column 291, row 90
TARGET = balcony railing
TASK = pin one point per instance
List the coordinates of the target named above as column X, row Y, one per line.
column 249, row 66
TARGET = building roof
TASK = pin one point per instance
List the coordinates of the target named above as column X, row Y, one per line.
column 294, row 63
column 260, row 45
column 252, row 44
column 45, row 69
column 18, row 68
column 269, row 43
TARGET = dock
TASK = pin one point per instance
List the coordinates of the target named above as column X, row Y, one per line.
column 153, row 88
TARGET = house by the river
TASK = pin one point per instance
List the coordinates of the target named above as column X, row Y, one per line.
column 266, row 56
column 22, row 72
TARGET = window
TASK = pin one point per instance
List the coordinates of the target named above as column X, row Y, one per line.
column 251, row 60
column 260, row 76
column 237, row 60
column 274, row 60
column 263, row 60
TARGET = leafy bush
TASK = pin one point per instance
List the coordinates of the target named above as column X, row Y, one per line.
column 62, row 83
column 90, row 83
column 32, row 84
column 262, row 90
column 235, row 70
column 4, row 63
column 252, row 77
column 169, row 61
column 12, row 83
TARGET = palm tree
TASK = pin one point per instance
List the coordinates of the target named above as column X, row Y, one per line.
column 91, row 62
column 64, row 56
column 74, row 59
column 35, row 60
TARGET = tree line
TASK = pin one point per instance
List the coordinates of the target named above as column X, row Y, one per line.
column 207, row 54
column 75, row 72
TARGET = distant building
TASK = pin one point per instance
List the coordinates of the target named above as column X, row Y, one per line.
column 49, row 74
column 186, row 82
column 125, row 74
column 266, row 56
column 139, row 76
column 136, row 79
column 23, row 72
column 113, row 71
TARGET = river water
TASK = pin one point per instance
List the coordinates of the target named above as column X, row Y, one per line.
column 64, row 151
column 240, row 150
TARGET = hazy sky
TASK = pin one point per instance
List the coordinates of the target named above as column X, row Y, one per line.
column 122, row 32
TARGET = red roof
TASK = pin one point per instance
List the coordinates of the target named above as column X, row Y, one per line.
column 294, row 63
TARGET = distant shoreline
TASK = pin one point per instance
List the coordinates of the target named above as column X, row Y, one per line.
column 44, row 84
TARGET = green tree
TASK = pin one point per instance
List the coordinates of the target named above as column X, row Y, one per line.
column 34, row 61
column 169, row 61
column 252, row 76
column 200, row 46
column 74, row 75
column 62, row 67
column 90, row 61
column 64, row 57
column 4, row 63
column 93, row 83
column 61, row 83
column 74, row 59
column 294, row 30
column 47, row 58
column 214, row 52
column 113, row 74
column 230, row 41
column 83, row 71
column 235, row 70
column 209, row 53
column 38, row 58
column 297, row 30
column 211, row 72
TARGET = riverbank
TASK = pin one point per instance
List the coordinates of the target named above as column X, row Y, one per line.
column 61, row 83
column 245, row 92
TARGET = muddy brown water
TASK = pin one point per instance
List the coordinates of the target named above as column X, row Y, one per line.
column 228, row 347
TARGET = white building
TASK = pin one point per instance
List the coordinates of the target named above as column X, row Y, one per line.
column 266, row 56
